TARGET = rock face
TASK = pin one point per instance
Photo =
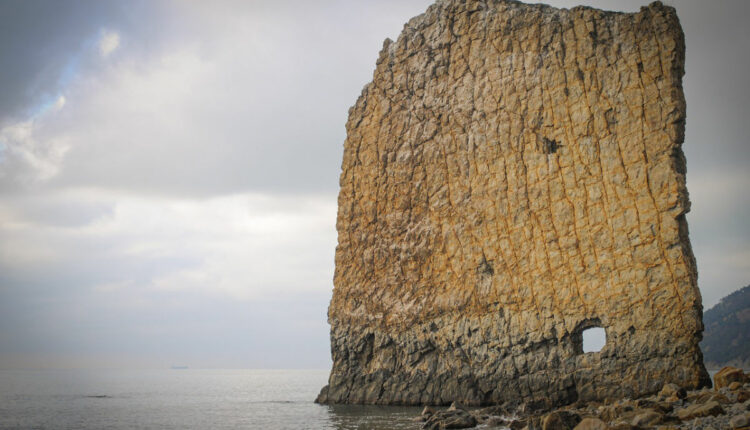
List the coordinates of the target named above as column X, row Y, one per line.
column 512, row 176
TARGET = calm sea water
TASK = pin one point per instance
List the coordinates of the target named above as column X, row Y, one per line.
column 182, row 399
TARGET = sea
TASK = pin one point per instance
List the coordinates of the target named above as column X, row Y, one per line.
column 182, row 399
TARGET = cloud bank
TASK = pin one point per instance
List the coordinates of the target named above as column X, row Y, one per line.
column 169, row 172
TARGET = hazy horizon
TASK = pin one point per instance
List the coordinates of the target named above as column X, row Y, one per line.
column 169, row 172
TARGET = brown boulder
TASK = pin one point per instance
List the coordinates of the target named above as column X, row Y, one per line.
column 708, row 409
column 560, row 420
column 495, row 421
column 450, row 419
column 740, row 421
column 592, row 424
column 456, row 406
column 727, row 375
column 721, row 398
column 673, row 390
column 623, row 426
column 647, row 418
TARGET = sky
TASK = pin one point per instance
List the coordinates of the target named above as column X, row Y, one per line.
column 169, row 172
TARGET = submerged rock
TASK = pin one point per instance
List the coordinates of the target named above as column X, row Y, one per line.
column 450, row 419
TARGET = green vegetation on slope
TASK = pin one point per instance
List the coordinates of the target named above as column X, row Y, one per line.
column 726, row 338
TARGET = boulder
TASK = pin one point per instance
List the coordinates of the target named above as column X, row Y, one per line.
column 518, row 424
column 710, row 408
column 450, row 419
column 560, row 420
column 740, row 421
column 663, row 407
column 647, row 418
column 672, row 390
column 720, row 398
column 622, row 426
column 491, row 410
column 427, row 412
column 495, row 421
column 694, row 396
column 727, row 375
column 456, row 406
column 591, row 424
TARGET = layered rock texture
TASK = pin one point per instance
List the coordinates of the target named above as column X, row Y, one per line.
column 512, row 176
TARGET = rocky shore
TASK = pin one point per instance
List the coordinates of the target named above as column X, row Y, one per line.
column 726, row 406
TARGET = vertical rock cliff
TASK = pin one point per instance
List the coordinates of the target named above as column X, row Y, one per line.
column 512, row 176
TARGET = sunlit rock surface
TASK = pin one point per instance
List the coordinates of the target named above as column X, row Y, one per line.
column 511, row 176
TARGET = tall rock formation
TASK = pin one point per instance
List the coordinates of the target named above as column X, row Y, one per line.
column 512, row 176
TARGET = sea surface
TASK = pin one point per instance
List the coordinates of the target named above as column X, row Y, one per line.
column 182, row 399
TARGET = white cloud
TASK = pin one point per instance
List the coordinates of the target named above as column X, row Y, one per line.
column 27, row 158
column 108, row 42
column 243, row 246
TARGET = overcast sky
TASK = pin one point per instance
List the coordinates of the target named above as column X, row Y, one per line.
column 169, row 172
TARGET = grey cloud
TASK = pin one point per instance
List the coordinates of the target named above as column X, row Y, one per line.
column 215, row 121
column 266, row 114
column 55, row 210
column 40, row 40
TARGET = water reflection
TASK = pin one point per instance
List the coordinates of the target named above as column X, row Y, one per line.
column 346, row 417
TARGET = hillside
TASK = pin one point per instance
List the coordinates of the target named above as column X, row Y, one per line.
column 726, row 339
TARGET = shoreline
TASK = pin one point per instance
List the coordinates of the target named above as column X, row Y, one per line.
column 725, row 406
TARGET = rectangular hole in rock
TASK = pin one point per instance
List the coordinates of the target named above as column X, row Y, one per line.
column 594, row 339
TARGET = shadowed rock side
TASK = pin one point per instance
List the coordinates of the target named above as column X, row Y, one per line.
column 511, row 176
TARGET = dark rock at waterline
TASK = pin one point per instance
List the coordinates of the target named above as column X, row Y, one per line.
column 452, row 418
column 673, row 408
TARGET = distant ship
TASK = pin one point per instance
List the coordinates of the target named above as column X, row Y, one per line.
column 178, row 367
